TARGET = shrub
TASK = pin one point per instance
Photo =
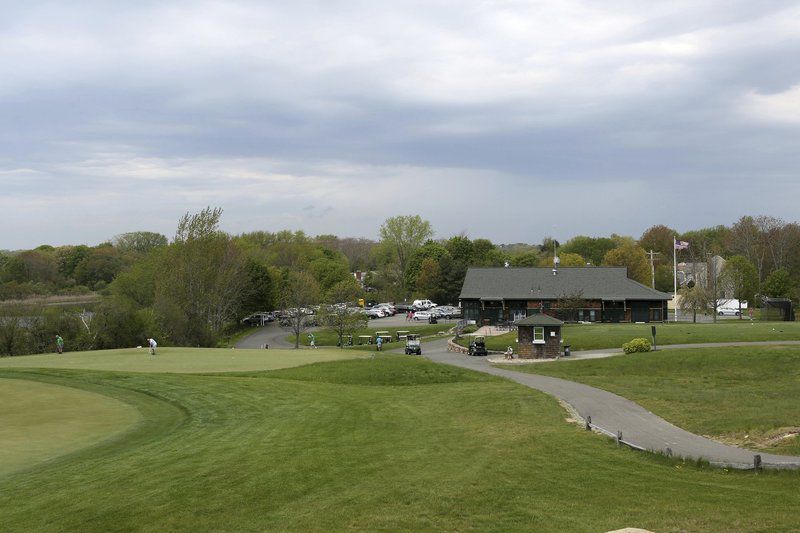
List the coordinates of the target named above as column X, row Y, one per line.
column 636, row 345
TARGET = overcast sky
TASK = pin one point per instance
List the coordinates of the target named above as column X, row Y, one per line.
column 510, row 120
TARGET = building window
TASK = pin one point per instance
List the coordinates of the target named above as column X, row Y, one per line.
column 538, row 334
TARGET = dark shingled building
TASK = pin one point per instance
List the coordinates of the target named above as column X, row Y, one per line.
column 588, row 294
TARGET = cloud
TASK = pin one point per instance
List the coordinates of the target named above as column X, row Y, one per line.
column 136, row 113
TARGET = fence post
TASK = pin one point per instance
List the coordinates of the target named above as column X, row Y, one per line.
column 588, row 423
column 757, row 462
column 619, row 438
column 669, row 452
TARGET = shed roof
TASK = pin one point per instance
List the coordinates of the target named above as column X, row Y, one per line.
column 592, row 283
column 539, row 319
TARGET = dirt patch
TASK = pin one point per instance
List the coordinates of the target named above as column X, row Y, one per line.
column 759, row 440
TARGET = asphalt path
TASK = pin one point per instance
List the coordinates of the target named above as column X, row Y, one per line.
column 611, row 414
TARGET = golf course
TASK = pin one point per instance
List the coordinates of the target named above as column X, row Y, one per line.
column 240, row 440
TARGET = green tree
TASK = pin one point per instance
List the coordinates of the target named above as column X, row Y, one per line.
column 592, row 249
column 658, row 238
column 202, row 282
column 402, row 236
column 429, row 278
column 664, row 278
column 779, row 284
column 565, row 259
column 69, row 257
column 634, row 258
column 429, row 250
column 101, row 264
column 139, row 241
column 741, row 277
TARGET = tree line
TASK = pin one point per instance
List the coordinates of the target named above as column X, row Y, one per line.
column 194, row 288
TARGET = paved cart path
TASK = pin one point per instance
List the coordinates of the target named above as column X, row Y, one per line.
column 614, row 413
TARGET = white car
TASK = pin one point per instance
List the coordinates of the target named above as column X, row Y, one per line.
column 422, row 315
column 727, row 311
column 375, row 312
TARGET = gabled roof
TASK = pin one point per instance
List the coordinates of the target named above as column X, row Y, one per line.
column 539, row 319
column 593, row 283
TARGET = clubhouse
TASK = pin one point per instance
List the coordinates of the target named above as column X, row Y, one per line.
column 572, row 294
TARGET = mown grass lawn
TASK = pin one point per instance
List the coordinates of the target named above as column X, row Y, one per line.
column 599, row 336
column 393, row 442
column 743, row 395
column 179, row 360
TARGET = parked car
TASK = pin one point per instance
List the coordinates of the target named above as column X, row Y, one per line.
column 727, row 311
column 422, row 315
column 423, row 304
column 258, row 319
column 374, row 312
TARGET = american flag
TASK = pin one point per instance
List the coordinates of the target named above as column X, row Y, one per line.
column 681, row 245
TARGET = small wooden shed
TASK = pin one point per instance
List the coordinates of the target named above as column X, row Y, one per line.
column 539, row 337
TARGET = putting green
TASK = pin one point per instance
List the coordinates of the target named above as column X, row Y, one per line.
column 180, row 360
column 41, row 421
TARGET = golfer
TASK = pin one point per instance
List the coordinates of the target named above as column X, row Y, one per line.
column 312, row 341
column 153, row 345
column 59, row 345
column 380, row 343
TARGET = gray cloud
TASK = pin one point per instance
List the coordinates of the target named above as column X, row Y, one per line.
column 593, row 119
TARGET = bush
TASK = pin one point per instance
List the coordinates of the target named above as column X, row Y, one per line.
column 636, row 345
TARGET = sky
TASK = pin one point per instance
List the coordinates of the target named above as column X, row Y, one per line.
column 510, row 120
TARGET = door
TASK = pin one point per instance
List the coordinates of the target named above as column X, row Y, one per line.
column 640, row 312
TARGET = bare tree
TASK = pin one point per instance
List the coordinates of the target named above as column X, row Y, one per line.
column 300, row 291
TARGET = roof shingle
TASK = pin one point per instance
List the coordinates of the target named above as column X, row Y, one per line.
column 593, row 283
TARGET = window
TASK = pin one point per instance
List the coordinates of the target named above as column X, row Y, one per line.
column 538, row 334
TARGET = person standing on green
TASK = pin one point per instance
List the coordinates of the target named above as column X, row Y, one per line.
column 59, row 344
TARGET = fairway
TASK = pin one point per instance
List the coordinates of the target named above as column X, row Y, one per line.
column 178, row 360
column 393, row 442
column 40, row 421
column 748, row 396
column 600, row 336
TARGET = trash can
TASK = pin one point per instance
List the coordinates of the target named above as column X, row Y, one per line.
column 566, row 350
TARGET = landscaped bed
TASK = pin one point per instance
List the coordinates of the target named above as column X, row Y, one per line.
column 748, row 396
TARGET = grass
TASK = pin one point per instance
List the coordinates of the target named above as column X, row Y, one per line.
column 34, row 413
column 601, row 336
column 741, row 395
column 329, row 338
column 178, row 360
column 393, row 442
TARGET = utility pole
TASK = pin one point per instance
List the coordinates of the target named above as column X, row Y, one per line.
column 713, row 267
column 652, row 254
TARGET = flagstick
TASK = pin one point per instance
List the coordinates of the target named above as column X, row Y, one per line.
column 675, row 276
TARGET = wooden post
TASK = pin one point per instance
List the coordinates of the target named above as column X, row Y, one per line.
column 669, row 452
column 757, row 462
column 588, row 423
column 619, row 438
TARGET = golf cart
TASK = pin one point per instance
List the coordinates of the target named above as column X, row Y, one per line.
column 478, row 346
column 412, row 344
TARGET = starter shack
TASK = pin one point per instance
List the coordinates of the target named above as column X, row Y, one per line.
column 539, row 337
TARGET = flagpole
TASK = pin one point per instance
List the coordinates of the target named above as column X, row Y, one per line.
column 675, row 276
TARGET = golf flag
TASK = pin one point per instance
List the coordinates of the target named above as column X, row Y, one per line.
column 681, row 245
